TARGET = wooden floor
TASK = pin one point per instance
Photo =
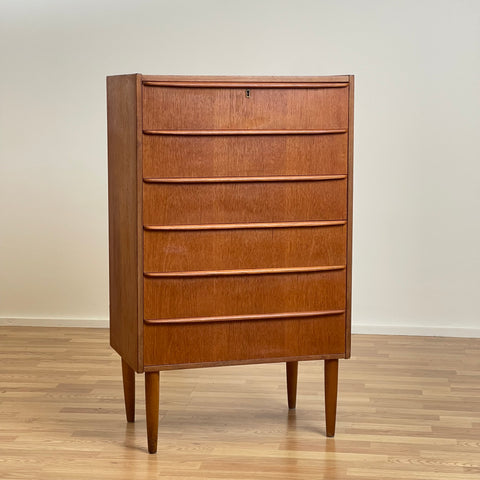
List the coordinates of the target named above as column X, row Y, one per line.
column 409, row 408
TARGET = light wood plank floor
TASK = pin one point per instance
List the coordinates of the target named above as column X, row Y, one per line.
column 409, row 408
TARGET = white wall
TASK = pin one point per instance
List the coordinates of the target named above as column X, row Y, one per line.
column 417, row 153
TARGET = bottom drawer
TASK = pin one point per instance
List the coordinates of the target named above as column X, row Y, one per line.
column 174, row 345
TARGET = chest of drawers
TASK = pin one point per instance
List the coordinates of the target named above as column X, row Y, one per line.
column 230, row 226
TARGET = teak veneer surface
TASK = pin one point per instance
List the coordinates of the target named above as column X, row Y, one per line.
column 125, row 291
column 175, row 108
column 244, row 202
column 244, row 294
column 232, row 248
column 215, row 79
column 230, row 224
column 243, row 342
column 244, row 155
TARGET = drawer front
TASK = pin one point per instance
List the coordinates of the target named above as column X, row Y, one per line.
column 178, row 108
column 226, row 249
column 243, row 155
column 200, row 203
column 226, row 295
column 243, row 341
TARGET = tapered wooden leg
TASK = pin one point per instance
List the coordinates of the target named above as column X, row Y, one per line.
column 292, row 373
column 129, row 390
column 151, row 400
column 331, row 387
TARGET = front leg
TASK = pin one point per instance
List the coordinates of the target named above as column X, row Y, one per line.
column 292, row 373
column 331, row 387
column 152, row 404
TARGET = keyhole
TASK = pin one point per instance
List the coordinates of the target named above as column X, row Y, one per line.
column 247, row 93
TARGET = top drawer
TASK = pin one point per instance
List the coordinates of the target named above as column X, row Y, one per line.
column 230, row 108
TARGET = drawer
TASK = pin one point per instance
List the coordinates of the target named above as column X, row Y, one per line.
column 232, row 202
column 243, row 294
column 236, row 342
column 234, row 248
column 179, row 108
column 243, row 155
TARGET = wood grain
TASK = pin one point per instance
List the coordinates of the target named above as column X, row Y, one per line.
column 244, row 155
column 243, row 295
column 408, row 408
column 242, row 271
column 128, row 375
column 236, row 84
column 251, row 179
column 349, row 216
column 245, row 202
column 331, row 389
column 176, row 108
column 195, row 343
column 292, row 376
column 241, row 318
column 245, row 131
column 173, row 251
column 240, row 223
column 236, row 226
column 246, row 78
column 152, row 409
column 124, row 221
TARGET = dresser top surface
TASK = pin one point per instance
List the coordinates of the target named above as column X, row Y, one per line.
column 259, row 79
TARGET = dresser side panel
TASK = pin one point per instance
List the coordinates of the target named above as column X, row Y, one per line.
column 348, row 307
column 123, row 217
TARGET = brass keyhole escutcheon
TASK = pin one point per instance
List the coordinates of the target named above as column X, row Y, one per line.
column 247, row 93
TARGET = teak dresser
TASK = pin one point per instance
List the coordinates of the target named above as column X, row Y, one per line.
column 230, row 226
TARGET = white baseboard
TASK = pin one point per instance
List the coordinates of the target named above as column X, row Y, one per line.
column 55, row 322
column 430, row 331
column 365, row 329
